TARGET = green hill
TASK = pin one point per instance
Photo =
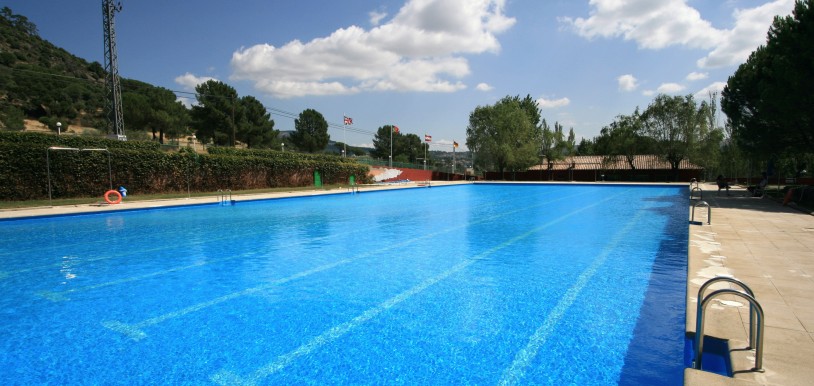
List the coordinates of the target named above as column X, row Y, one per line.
column 43, row 82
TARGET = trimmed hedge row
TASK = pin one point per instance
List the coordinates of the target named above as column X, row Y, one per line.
column 29, row 138
column 24, row 170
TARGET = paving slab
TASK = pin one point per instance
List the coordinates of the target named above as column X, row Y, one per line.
column 770, row 247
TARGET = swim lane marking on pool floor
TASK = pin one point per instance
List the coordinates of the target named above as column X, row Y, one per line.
column 55, row 295
column 135, row 330
column 58, row 296
column 514, row 373
column 226, row 377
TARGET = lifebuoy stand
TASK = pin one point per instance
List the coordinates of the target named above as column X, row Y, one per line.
column 115, row 193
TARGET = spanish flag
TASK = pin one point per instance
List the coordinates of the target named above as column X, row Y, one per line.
column 395, row 129
column 454, row 144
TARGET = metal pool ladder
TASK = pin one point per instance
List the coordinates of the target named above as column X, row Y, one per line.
column 756, row 320
column 709, row 211
column 694, row 187
column 225, row 197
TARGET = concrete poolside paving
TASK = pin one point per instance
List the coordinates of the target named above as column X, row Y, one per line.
column 768, row 246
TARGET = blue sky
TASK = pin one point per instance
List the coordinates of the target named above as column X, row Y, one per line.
column 424, row 65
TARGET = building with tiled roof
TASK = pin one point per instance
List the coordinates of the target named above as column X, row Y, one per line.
column 648, row 167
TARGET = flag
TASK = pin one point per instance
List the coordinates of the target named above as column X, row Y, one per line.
column 348, row 120
column 454, row 144
column 395, row 129
column 427, row 138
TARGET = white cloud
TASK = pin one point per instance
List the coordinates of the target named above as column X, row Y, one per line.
column 670, row 88
column 376, row 17
column 627, row 82
column 186, row 101
column 189, row 81
column 483, row 87
column 660, row 24
column 693, row 76
column 716, row 87
column 419, row 49
column 651, row 24
column 751, row 26
column 648, row 93
column 552, row 103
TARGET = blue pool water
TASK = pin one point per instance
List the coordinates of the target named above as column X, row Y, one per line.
column 474, row 284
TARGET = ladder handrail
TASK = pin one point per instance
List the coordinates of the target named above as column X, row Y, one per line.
column 699, row 327
column 700, row 192
column 709, row 211
column 752, row 312
column 223, row 194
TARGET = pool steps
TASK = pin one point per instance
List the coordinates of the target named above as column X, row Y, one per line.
column 709, row 213
column 756, row 319
column 225, row 197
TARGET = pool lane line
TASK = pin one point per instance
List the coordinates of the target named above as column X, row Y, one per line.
column 133, row 238
column 135, row 330
column 54, row 295
column 226, row 377
column 513, row 374
column 58, row 296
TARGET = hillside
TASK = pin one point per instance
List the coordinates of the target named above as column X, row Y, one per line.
column 42, row 82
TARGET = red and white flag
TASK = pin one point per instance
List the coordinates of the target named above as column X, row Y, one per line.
column 427, row 138
column 396, row 129
column 348, row 120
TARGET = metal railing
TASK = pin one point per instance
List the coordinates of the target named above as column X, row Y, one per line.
column 756, row 319
column 225, row 197
column 709, row 211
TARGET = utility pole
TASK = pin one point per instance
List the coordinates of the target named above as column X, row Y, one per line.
column 113, row 89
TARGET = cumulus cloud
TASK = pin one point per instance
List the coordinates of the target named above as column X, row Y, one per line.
column 552, row 103
column 627, row 82
column 670, row 88
column 749, row 33
column 483, row 87
column 660, row 24
column 189, row 81
column 419, row 49
column 693, row 76
column 651, row 24
column 716, row 87
column 376, row 17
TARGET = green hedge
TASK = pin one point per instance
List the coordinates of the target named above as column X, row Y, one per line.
column 81, row 142
column 24, row 169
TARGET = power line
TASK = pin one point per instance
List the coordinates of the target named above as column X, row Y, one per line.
column 271, row 110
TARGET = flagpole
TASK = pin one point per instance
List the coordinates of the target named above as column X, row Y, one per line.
column 453, row 159
column 425, row 151
column 344, row 140
column 391, row 146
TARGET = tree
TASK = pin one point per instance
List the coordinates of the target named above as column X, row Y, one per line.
column 674, row 123
column 382, row 141
column 255, row 127
column 504, row 135
column 768, row 100
column 310, row 131
column 625, row 137
column 154, row 109
column 214, row 116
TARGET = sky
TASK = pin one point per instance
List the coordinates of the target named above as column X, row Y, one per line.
column 423, row 65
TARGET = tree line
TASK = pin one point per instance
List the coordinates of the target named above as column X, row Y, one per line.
column 768, row 127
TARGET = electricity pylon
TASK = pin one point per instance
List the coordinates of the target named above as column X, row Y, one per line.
column 113, row 89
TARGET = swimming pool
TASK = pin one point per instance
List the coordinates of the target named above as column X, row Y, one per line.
column 478, row 284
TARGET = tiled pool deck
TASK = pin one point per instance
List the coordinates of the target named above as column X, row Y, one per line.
column 770, row 248
column 766, row 245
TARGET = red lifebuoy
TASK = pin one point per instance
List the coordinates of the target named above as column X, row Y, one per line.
column 117, row 194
